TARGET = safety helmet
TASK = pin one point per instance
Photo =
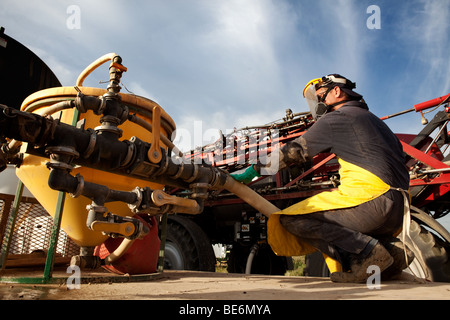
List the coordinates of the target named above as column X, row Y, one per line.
column 317, row 106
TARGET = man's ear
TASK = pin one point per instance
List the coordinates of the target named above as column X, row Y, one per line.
column 338, row 93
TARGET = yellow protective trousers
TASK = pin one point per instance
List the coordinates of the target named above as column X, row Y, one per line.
column 357, row 187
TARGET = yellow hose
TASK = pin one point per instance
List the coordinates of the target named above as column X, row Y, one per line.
column 94, row 65
column 250, row 196
column 119, row 252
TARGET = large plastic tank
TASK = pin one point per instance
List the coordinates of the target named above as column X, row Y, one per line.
column 34, row 173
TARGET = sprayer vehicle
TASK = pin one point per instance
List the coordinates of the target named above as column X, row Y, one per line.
column 103, row 163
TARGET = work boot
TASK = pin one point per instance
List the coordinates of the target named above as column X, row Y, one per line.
column 396, row 249
column 379, row 256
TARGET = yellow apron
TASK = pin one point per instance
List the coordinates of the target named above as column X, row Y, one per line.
column 357, row 186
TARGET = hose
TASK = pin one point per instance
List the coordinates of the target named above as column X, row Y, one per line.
column 251, row 256
column 59, row 106
column 94, row 65
column 119, row 252
column 250, row 196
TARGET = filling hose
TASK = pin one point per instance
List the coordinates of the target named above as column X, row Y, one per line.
column 119, row 252
column 94, row 65
column 250, row 196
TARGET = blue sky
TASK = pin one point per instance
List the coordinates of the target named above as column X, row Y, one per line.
column 222, row 64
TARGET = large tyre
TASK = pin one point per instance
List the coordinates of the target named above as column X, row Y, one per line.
column 187, row 246
column 431, row 256
column 316, row 266
column 264, row 262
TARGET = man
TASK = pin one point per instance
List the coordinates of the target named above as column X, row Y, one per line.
column 345, row 224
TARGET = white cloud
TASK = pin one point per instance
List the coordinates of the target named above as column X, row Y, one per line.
column 435, row 40
column 424, row 30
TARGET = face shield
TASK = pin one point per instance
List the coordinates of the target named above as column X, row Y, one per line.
column 316, row 107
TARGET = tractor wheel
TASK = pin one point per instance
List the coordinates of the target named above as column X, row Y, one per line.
column 187, row 246
column 316, row 266
column 431, row 255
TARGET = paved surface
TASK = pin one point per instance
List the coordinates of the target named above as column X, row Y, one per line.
column 187, row 285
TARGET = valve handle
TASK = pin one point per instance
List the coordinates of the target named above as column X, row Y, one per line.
column 154, row 153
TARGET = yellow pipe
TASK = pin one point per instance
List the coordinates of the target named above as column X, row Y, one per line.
column 94, row 65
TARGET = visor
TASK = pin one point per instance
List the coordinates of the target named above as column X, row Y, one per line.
column 316, row 107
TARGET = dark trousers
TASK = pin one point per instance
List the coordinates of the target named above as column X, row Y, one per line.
column 338, row 233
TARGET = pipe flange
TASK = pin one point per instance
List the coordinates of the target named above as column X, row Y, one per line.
column 68, row 151
column 134, row 206
column 110, row 119
column 80, row 186
column 179, row 172
column 219, row 178
column 102, row 106
column 97, row 208
column 47, row 133
column 124, row 115
column 163, row 167
column 92, row 141
column 54, row 164
column 130, row 154
column 79, row 101
column 194, row 175
column 107, row 127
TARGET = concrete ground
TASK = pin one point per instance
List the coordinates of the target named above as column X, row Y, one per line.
column 190, row 285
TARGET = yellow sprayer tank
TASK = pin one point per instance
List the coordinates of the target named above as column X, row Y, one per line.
column 34, row 173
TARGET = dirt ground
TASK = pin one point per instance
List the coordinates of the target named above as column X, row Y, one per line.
column 189, row 285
